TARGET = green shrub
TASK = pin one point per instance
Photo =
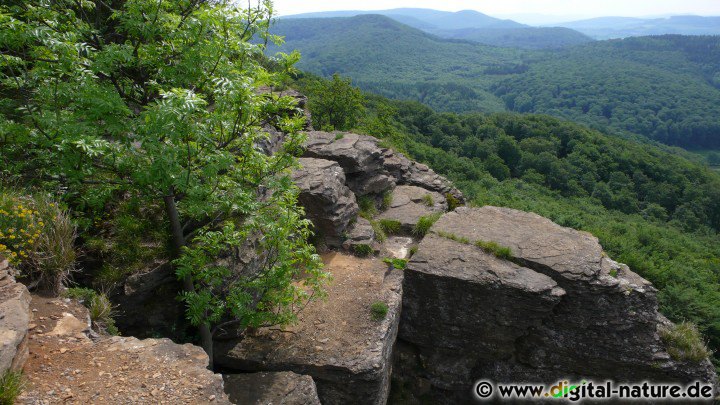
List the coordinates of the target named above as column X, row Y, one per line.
column 39, row 237
column 428, row 200
column 11, row 384
column 613, row 273
column 378, row 310
column 99, row 306
column 399, row 264
column 425, row 223
column 684, row 342
column 452, row 202
column 390, row 226
column 494, row 249
column 363, row 250
column 339, row 136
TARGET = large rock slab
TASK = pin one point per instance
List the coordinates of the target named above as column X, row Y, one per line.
column 15, row 317
column 328, row 203
column 410, row 203
column 335, row 341
column 558, row 308
column 271, row 388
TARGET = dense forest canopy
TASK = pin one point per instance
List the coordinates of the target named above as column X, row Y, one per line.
column 666, row 88
column 656, row 211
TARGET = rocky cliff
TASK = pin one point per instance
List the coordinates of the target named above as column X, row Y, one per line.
column 492, row 293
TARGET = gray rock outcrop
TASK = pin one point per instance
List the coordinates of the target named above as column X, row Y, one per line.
column 410, row 203
column 559, row 308
column 15, row 317
column 372, row 169
column 328, row 203
column 285, row 388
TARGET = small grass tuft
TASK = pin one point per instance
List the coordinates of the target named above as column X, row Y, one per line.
column 390, row 226
column 378, row 310
column 99, row 306
column 398, row 264
column 413, row 250
column 367, row 207
column 452, row 202
column 11, row 385
column 494, row 249
column 684, row 342
column 339, row 136
column 387, row 200
column 428, row 200
column 613, row 273
column 363, row 250
column 425, row 223
column 380, row 235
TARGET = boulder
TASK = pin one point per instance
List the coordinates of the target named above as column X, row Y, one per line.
column 335, row 341
column 360, row 233
column 410, row 203
column 557, row 308
column 328, row 203
column 15, row 317
column 271, row 388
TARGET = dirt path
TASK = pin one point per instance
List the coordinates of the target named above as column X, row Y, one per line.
column 67, row 367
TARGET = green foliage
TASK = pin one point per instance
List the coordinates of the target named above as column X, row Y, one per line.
column 380, row 234
column 413, row 250
column 398, row 264
column 339, row 136
column 425, row 223
column 501, row 252
column 661, row 87
column 39, row 237
column 159, row 106
column 368, row 209
column 428, row 200
column 336, row 104
column 387, row 199
column 452, row 202
column 684, row 342
column 363, row 250
column 98, row 305
column 390, row 226
column 378, row 310
column 11, row 385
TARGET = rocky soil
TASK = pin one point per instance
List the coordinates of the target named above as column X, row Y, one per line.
column 69, row 364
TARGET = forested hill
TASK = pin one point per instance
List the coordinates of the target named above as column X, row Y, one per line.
column 666, row 88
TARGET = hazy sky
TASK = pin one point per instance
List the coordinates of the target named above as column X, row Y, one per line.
column 626, row 8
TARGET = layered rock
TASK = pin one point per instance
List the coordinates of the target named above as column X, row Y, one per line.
column 558, row 309
column 15, row 317
column 372, row 169
column 347, row 353
column 271, row 388
column 410, row 203
column 329, row 204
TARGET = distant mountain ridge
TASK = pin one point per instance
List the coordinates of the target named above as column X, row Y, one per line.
column 470, row 25
column 622, row 27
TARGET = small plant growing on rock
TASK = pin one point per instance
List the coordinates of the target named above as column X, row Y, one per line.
column 339, row 136
column 413, row 250
column 613, row 273
column 380, row 235
column 399, row 264
column 494, row 249
column 387, row 200
column 363, row 250
column 11, row 384
column 684, row 342
column 452, row 202
column 367, row 207
column 99, row 306
column 378, row 310
column 425, row 223
column 428, row 200
column 390, row 226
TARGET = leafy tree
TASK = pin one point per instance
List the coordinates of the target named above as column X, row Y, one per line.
column 336, row 104
column 159, row 102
